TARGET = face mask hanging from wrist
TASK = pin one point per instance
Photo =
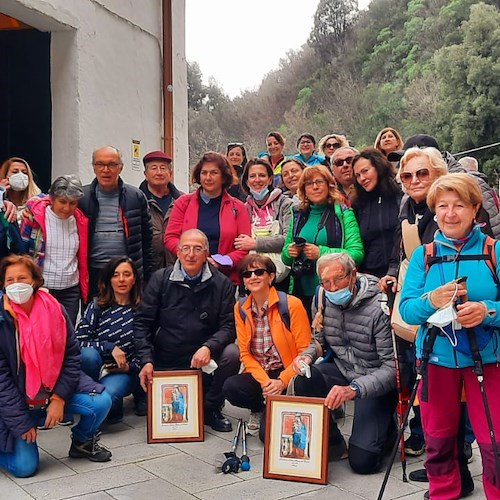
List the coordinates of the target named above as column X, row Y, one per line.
column 447, row 315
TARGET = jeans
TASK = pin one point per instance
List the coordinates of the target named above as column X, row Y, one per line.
column 92, row 408
column 118, row 385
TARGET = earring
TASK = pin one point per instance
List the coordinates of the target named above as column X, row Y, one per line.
column 435, row 218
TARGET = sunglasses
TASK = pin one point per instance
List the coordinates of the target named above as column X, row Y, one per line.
column 257, row 272
column 333, row 145
column 348, row 160
column 421, row 174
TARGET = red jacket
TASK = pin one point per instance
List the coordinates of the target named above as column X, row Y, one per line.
column 233, row 220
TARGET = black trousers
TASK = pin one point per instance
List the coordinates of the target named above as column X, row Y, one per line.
column 228, row 365
column 70, row 299
column 373, row 417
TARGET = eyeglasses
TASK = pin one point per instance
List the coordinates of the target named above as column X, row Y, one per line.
column 111, row 165
column 333, row 281
column 339, row 163
column 332, row 145
column 315, row 182
column 186, row 250
column 421, row 175
column 161, row 168
column 257, row 272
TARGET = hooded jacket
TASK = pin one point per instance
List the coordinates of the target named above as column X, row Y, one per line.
column 360, row 338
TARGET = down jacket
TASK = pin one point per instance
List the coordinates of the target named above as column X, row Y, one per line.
column 15, row 418
column 136, row 219
column 360, row 338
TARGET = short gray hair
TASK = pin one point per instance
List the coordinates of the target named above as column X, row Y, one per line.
column 469, row 163
column 118, row 152
column 66, row 186
column 195, row 232
column 343, row 258
column 344, row 148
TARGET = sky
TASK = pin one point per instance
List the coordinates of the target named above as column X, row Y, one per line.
column 239, row 41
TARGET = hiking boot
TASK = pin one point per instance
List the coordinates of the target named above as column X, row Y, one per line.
column 141, row 407
column 468, row 452
column 415, row 446
column 419, row 475
column 90, row 449
column 253, row 425
column 67, row 420
column 337, row 451
column 218, row 422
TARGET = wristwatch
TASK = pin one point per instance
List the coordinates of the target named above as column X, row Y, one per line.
column 355, row 387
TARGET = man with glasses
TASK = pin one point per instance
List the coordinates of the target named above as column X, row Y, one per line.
column 356, row 343
column 185, row 321
column 161, row 194
column 341, row 167
column 119, row 219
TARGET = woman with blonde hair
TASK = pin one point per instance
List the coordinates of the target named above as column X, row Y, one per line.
column 388, row 140
column 321, row 224
column 329, row 143
column 17, row 178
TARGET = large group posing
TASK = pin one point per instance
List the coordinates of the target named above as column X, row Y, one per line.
column 273, row 262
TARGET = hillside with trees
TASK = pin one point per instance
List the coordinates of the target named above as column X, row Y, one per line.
column 419, row 66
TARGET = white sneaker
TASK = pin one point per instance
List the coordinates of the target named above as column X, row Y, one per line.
column 253, row 425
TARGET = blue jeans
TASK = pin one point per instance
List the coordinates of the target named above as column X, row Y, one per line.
column 92, row 408
column 118, row 385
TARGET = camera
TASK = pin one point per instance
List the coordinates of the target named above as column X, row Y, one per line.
column 302, row 267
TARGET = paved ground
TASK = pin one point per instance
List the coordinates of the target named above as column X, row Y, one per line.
column 185, row 471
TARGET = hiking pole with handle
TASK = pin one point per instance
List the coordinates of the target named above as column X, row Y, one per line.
column 402, row 402
column 429, row 341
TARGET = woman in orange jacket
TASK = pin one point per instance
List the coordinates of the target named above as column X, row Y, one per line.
column 272, row 328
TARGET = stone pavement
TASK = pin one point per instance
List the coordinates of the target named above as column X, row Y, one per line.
column 185, row 471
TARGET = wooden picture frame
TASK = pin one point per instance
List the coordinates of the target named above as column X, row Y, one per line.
column 175, row 407
column 296, row 440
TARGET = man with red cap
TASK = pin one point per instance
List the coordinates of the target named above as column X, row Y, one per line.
column 161, row 194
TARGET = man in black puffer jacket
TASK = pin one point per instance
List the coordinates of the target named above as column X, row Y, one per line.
column 119, row 218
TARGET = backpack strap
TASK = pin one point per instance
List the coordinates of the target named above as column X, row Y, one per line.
column 490, row 250
column 320, row 302
column 283, row 309
column 243, row 314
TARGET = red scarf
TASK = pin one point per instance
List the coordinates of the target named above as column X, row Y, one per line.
column 42, row 337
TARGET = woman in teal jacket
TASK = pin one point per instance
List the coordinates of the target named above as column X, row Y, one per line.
column 322, row 224
column 459, row 249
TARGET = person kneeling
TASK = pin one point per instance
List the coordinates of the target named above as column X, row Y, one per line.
column 40, row 372
column 362, row 365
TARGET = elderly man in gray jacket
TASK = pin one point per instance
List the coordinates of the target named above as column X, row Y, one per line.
column 355, row 341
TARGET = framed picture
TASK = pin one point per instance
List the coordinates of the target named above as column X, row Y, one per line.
column 296, row 444
column 175, row 407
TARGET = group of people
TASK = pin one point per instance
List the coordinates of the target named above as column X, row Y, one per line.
column 270, row 264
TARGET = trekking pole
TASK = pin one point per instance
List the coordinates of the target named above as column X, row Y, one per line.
column 429, row 341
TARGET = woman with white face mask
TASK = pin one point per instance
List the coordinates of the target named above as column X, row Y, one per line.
column 17, row 178
column 270, row 213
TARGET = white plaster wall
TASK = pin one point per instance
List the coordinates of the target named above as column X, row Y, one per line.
column 106, row 78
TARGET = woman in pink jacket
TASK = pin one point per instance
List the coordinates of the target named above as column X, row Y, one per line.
column 212, row 210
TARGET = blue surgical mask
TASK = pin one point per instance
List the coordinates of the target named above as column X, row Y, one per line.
column 340, row 297
column 260, row 195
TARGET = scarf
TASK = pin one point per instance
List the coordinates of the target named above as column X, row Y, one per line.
column 42, row 337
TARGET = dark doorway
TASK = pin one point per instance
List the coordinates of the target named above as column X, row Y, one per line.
column 25, row 101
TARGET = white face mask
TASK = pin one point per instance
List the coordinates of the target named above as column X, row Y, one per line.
column 18, row 181
column 443, row 317
column 19, row 293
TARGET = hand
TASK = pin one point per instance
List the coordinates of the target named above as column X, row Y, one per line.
column 29, row 436
column 311, row 251
column 338, row 395
column 10, row 211
column 55, row 412
column 273, row 387
column 294, row 250
column 5, row 183
column 382, row 284
column 201, row 357
column 116, row 369
column 296, row 363
column 212, row 261
column 119, row 357
column 146, row 376
column 471, row 314
column 245, row 242
column 443, row 295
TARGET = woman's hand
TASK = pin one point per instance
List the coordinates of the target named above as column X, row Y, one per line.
column 274, row 387
column 55, row 412
column 245, row 242
column 383, row 283
column 119, row 357
column 294, row 250
column 311, row 251
column 10, row 211
column 444, row 294
column 471, row 314
column 296, row 363
column 212, row 261
column 29, row 436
